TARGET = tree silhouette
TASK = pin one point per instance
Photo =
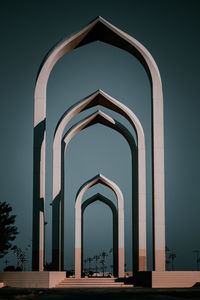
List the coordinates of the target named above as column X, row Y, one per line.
column 103, row 266
column 85, row 262
column 197, row 258
column 167, row 259
column 111, row 267
column 90, row 260
column 21, row 256
column 103, row 255
column 172, row 256
column 8, row 231
column 96, row 257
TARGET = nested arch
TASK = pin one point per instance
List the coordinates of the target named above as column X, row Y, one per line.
column 78, row 222
column 100, row 197
column 103, row 99
column 104, row 119
column 101, row 30
column 138, row 185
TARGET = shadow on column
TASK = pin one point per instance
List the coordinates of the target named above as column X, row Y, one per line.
column 38, row 202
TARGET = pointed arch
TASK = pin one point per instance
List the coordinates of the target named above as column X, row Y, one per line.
column 139, row 176
column 103, row 99
column 100, row 197
column 99, row 29
column 78, row 221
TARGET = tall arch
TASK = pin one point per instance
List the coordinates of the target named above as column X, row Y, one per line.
column 101, row 30
column 139, row 188
column 78, row 222
column 139, row 226
column 112, row 206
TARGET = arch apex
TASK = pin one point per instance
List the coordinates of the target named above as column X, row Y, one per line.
column 101, row 176
column 97, row 196
column 98, row 18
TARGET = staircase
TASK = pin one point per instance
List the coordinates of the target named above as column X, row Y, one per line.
column 92, row 283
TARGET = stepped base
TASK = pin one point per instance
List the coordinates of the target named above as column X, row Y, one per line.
column 91, row 283
column 168, row 279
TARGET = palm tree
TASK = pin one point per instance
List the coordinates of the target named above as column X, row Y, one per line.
column 103, row 255
column 172, row 256
column 167, row 249
column 197, row 258
column 110, row 253
column 96, row 257
column 167, row 262
column 90, row 260
column 85, row 262
column 198, row 261
column 111, row 267
column 103, row 266
column 167, row 259
column 125, row 267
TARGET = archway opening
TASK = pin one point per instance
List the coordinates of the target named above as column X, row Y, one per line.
column 97, row 236
column 102, row 30
column 85, row 165
column 118, row 116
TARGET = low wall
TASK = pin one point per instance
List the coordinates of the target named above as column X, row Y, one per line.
column 167, row 279
column 32, row 279
column 175, row 279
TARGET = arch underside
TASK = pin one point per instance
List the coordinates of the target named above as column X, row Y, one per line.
column 101, row 30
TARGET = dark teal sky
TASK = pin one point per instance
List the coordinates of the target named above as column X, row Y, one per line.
column 170, row 31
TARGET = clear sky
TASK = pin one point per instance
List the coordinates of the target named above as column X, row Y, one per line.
column 170, row 30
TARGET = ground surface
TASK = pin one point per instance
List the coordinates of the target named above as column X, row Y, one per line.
column 101, row 293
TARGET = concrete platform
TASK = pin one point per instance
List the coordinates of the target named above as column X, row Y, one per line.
column 168, row 279
column 32, row 279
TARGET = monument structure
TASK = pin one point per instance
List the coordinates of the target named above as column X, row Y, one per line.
column 101, row 30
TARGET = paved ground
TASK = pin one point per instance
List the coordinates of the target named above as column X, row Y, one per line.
column 101, row 293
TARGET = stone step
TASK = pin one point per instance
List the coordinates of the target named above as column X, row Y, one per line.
column 90, row 279
column 91, row 282
column 93, row 286
column 88, row 283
